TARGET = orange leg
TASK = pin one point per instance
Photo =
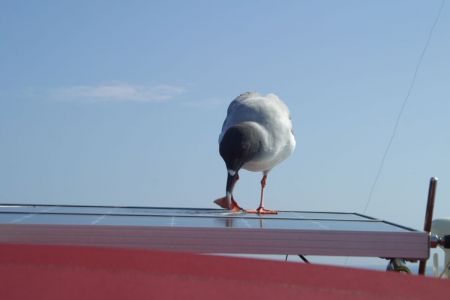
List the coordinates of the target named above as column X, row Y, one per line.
column 261, row 209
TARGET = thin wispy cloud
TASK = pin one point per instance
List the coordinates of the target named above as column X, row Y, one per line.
column 207, row 103
column 117, row 92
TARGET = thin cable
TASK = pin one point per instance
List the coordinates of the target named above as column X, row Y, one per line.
column 402, row 108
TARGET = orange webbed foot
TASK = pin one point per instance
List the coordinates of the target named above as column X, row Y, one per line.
column 261, row 211
column 223, row 202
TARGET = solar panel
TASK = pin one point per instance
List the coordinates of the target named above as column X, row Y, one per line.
column 211, row 230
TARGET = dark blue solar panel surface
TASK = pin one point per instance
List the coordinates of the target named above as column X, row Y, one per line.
column 190, row 217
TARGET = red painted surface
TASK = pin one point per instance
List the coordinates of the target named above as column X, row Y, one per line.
column 68, row 272
column 413, row 245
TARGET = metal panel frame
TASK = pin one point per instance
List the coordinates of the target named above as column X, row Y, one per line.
column 406, row 243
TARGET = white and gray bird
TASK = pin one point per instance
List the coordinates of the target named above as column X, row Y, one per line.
column 256, row 135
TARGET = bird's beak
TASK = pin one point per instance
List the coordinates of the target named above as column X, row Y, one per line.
column 228, row 201
column 231, row 181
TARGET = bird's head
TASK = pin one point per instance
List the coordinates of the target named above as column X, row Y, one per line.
column 240, row 144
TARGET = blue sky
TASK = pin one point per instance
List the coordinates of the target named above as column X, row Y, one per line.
column 121, row 103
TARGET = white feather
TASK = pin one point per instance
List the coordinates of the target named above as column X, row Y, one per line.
column 271, row 118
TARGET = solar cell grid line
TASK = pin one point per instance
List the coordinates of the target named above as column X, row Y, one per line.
column 109, row 212
column 211, row 230
column 29, row 215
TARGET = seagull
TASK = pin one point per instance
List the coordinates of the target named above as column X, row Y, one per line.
column 256, row 135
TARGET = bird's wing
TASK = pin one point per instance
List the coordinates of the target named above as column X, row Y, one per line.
column 237, row 112
column 253, row 107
